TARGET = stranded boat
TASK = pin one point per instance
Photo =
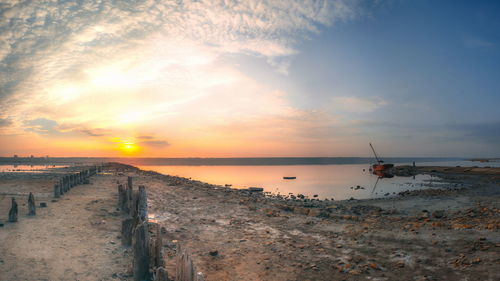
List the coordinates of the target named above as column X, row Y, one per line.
column 380, row 166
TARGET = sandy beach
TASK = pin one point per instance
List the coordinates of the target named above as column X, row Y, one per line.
column 449, row 234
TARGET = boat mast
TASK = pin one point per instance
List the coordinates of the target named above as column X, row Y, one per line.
column 376, row 157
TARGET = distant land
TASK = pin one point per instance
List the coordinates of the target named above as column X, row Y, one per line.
column 259, row 161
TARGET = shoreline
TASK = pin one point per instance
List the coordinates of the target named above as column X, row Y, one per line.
column 234, row 234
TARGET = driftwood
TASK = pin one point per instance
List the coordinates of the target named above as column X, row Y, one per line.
column 140, row 248
column 31, row 205
column 13, row 211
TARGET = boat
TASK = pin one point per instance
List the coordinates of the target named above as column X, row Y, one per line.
column 380, row 166
column 289, row 178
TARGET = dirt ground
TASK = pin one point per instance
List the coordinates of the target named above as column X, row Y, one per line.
column 74, row 238
column 238, row 235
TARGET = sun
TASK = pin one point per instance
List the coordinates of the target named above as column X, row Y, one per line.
column 128, row 148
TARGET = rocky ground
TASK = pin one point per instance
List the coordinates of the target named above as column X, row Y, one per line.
column 449, row 234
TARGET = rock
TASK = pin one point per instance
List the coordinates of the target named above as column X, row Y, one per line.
column 271, row 212
column 255, row 189
column 438, row 214
column 43, row 205
column 301, row 210
column 314, row 212
column 424, row 215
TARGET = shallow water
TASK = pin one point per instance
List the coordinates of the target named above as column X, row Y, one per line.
column 28, row 168
column 327, row 181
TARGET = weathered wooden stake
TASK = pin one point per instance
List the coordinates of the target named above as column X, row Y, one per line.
column 140, row 247
column 142, row 204
column 31, row 205
column 122, row 197
column 161, row 274
column 158, row 248
column 57, row 193
column 13, row 211
column 128, row 225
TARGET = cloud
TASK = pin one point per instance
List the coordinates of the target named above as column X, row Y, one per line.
column 145, row 137
column 42, row 126
column 5, row 122
column 474, row 42
column 93, row 132
column 154, row 143
column 356, row 104
column 43, row 41
column 484, row 131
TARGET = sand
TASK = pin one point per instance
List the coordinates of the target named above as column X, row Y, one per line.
column 74, row 238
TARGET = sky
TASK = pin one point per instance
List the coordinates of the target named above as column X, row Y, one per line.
column 250, row 78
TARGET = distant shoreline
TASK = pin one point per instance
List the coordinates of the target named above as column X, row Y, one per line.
column 241, row 161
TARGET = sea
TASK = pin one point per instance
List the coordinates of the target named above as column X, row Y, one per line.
column 337, row 178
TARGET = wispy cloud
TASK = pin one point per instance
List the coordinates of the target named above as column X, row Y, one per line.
column 475, row 42
column 154, row 143
column 357, row 104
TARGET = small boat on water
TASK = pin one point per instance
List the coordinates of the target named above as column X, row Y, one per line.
column 289, row 178
column 380, row 166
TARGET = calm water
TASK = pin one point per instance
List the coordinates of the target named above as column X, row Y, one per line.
column 28, row 168
column 326, row 181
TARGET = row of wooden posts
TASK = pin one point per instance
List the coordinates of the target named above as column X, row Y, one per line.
column 69, row 181
column 145, row 238
column 64, row 185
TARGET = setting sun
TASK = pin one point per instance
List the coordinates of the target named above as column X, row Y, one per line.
column 128, row 148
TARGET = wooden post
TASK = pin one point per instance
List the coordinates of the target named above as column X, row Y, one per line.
column 66, row 183
column 134, row 205
column 184, row 268
column 140, row 247
column 57, row 193
column 129, row 182
column 13, row 211
column 161, row 274
column 122, row 197
column 142, row 204
column 127, row 228
column 129, row 198
column 31, row 205
column 158, row 248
